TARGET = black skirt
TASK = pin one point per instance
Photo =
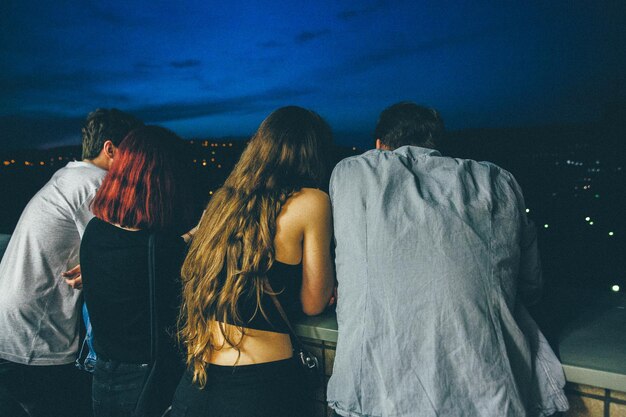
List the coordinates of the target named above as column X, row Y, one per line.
column 260, row 390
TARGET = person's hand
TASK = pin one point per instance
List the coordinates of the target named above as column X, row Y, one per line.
column 187, row 236
column 74, row 278
column 333, row 298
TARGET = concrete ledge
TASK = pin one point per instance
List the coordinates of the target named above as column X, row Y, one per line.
column 322, row 327
column 593, row 347
column 595, row 378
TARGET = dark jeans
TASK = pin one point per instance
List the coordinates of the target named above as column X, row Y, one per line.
column 116, row 387
column 263, row 390
column 43, row 391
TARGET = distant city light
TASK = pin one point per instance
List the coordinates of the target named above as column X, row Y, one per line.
column 587, row 218
column 611, row 233
column 527, row 210
column 615, row 288
column 545, row 226
column 590, row 223
column 597, row 196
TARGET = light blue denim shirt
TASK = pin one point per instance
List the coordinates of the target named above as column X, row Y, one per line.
column 434, row 257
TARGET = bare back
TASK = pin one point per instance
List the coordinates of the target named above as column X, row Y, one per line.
column 303, row 234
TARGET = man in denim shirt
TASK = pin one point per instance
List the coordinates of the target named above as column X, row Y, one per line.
column 435, row 257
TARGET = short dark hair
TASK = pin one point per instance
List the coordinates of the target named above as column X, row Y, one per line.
column 106, row 124
column 407, row 123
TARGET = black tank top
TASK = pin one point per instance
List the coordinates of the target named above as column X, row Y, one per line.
column 286, row 280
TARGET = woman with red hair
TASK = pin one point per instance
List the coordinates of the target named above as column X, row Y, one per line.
column 141, row 200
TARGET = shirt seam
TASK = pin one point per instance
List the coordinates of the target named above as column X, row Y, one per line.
column 363, row 321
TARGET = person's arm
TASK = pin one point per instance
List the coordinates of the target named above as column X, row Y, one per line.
column 83, row 215
column 317, row 265
column 530, row 284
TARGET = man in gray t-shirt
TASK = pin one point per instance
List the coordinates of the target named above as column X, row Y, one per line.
column 39, row 311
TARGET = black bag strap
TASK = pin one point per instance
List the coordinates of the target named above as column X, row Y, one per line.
column 279, row 307
column 143, row 407
column 154, row 322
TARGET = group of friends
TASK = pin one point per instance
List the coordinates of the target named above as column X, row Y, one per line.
column 429, row 259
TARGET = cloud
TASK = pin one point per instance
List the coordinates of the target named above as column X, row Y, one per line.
column 142, row 66
column 348, row 14
column 240, row 104
column 61, row 82
column 383, row 57
column 42, row 130
column 187, row 63
column 38, row 131
column 270, row 44
column 354, row 13
column 307, row 36
column 109, row 15
column 72, row 91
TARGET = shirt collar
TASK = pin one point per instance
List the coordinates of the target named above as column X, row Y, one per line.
column 415, row 151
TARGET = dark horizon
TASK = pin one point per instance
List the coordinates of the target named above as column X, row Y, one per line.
column 366, row 140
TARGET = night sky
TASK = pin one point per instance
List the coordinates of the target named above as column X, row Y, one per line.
column 213, row 69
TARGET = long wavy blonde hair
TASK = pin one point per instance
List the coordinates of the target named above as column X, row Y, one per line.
column 234, row 245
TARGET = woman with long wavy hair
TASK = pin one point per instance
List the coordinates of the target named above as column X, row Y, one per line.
column 267, row 230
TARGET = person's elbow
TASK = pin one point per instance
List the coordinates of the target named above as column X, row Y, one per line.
column 315, row 304
column 313, row 311
column 314, row 308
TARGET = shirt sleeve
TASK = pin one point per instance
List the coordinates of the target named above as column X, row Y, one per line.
column 83, row 214
column 530, row 280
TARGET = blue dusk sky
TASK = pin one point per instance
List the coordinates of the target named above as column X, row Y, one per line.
column 213, row 69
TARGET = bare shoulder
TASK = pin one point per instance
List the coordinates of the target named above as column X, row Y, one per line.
column 310, row 198
column 309, row 204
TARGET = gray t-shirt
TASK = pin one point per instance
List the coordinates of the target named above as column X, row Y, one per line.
column 38, row 310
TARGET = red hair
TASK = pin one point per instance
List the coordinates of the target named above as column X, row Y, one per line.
column 143, row 188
